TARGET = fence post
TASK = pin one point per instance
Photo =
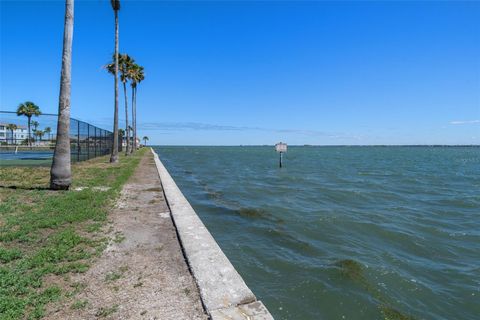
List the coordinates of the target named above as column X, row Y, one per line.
column 88, row 141
column 78, row 141
column 95, row 140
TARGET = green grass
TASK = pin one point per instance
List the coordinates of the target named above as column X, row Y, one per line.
column 52, row 233
column 27, row 162
column 119, row 237
column 112, row 276
column 79, row 304
column 105, row 312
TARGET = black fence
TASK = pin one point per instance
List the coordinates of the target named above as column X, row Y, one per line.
column 86, row 141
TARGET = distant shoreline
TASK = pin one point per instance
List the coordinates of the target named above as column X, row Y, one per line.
column 331, row 145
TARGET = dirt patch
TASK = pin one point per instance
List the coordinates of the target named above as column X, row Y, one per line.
column 156, row 189
column 142, row 273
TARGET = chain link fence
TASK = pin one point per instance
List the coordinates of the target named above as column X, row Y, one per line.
column 18, row 143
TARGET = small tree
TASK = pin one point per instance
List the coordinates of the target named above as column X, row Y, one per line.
column 35, row 125
column 39, row 134
column 29, row 109
column 47, row 131
column 12, row 127
column 145, row 139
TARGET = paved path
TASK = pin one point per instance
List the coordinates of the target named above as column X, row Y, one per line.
column 143, row 274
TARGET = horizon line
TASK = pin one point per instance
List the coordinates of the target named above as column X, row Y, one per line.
column 316, row 145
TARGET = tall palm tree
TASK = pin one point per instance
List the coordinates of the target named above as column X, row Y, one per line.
column 145, row 139
column 114, row 155
column 132, row 76
column 12, row 127
column 136, row 75
column 61, row 172
column 28, row 109
column 125, row 63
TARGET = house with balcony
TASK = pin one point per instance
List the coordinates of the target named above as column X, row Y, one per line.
column 17, row 137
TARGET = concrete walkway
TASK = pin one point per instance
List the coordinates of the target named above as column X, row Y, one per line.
column 142, row 274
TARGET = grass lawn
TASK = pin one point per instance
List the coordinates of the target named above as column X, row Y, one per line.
column 46, row 236
column 27, row 163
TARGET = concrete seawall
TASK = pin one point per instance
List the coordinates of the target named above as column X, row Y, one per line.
column 224, row 293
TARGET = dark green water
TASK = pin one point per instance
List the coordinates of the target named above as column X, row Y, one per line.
column 344, row 232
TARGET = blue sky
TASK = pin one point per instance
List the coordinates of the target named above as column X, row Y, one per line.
column 230, row 73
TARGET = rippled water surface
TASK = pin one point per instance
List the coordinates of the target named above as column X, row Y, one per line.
column 344, row 232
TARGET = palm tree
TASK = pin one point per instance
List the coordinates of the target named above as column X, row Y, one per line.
column 39, row 133
column 132, row 75
column 35, row 125
column 12, row 127
column 48, row 130
column 125, row 63
column 145, row 139
column 28, row 109
column 130, row 135
column 121, row 135
column 61, row 172
column 114, row 155
column 136, row 76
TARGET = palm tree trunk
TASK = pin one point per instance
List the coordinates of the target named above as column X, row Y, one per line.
column 134, row 119
column 60, row 173
column 114, row 155
column 126, row 118
column 29, row 133
column 135, row 123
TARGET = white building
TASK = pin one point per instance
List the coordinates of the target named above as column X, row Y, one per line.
column 19, row 135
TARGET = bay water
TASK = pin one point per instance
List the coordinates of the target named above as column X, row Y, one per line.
column 343, row 232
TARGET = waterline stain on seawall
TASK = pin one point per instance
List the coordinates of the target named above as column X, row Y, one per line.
column 353, row 270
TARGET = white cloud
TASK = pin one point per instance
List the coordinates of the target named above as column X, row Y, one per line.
column 167, row 127
column 465, row 122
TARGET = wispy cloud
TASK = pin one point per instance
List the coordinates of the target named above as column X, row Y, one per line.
column 181, row 126
column 465, row 122
column 196, row 126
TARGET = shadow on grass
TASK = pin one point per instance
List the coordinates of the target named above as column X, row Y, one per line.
column 24, row 188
